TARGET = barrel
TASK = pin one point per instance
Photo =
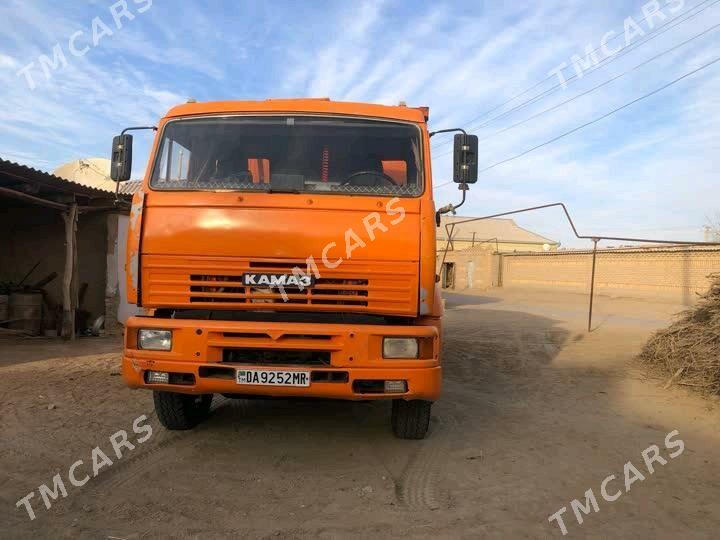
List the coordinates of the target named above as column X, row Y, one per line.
column 26, row 312
column 4, row 310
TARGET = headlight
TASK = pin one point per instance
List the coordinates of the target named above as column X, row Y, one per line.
column 400, row 348
column 154, row 340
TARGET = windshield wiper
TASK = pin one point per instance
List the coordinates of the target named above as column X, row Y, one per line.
column 282, row 190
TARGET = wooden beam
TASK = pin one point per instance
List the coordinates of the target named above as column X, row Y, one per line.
column 31, row 198
column 70, row 276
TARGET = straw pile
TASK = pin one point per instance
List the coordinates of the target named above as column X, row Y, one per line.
column 688, row 351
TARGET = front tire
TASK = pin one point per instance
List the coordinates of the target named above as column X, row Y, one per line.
column 181, row 411
column 410, row 419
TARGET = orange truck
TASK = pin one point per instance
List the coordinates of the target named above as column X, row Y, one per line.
column 286, row 248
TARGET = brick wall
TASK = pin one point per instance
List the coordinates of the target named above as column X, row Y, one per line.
column 475, row 268
column 461, row 245
column 670, row 274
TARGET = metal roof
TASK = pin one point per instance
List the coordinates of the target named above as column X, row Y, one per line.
column 44, row 183
column 130, row 187
column 505, row 230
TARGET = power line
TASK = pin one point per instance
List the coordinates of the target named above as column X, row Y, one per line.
column 603, row 63
column 605, row 83
column 629, row 48
column 658, row 31
column 595, row 120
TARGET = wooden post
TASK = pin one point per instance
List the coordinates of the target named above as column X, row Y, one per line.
column 501, row 262
column 592, row 284
column 70, row 281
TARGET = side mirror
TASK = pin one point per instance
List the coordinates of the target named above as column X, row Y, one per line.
column 465, row 165
column 121, row 160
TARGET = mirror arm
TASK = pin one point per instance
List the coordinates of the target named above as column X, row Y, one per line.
column 451, row 130
column 117, row 193
column 451, row 207
column 154, row 128
column 133, row 128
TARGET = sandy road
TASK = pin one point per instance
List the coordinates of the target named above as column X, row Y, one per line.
column 535, row 412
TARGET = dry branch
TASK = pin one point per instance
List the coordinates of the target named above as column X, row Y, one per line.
column 688, row 351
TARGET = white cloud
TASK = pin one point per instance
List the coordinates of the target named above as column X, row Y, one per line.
column 340, row 62
column 77, row 110
column 648, row 169
column 164, row 98
column 7, row 62
column 133, row 46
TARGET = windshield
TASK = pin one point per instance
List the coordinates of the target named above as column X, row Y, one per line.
column 290, row 154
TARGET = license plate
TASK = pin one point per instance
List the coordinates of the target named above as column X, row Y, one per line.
column 274, row 377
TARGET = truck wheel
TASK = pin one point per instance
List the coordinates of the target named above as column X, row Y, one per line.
column 410, row 419
column 181, row 411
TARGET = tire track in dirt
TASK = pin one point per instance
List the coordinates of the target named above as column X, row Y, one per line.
column 418, row 487
column 127, row 469
column 124, row 471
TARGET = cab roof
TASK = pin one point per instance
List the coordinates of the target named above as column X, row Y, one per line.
column 302, row 105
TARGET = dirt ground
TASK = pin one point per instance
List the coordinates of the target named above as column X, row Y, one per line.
column 535, row 412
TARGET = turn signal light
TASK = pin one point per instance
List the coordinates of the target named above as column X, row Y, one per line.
column 395, row 387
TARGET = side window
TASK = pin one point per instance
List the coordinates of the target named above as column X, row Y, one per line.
column 174, row 163
column 161, row 171
column 397, row 170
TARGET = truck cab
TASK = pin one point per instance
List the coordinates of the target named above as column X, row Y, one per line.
column 284, row 248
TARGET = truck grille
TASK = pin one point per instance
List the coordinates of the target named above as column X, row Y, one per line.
column 215, row 283
column 227, row 289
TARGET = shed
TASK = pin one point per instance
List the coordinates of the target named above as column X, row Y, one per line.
column 56, row 227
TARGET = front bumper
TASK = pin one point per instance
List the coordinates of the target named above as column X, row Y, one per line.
column 354, row 351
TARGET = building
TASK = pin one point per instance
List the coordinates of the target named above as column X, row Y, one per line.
column 471, row 258
column 63, row 249
column 503, row 234
column 675, row 273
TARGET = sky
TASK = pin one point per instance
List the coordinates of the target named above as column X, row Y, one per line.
column 649, row 171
